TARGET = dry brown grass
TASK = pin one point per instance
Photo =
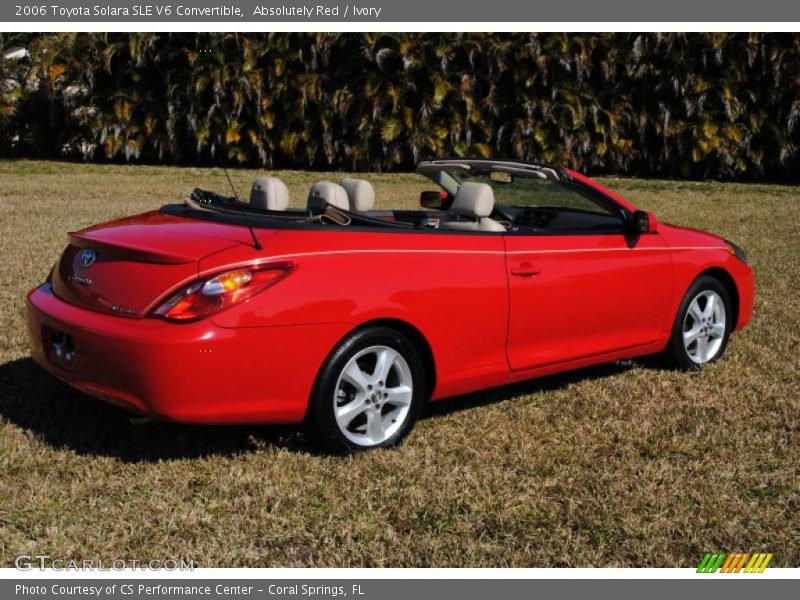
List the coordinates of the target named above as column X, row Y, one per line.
column 621, row 465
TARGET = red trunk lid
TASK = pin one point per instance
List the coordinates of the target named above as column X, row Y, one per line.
column 123, row 267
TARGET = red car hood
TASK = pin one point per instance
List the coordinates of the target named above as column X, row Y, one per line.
column 677, row 235
column 123, row 267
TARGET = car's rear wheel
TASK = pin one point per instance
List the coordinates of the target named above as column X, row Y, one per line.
column 703, row 325
column 369, row 392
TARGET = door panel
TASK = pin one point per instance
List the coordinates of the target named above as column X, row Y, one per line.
column 573, row 296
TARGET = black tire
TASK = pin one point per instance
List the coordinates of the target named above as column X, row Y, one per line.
column 676, row 353
column 321, row 424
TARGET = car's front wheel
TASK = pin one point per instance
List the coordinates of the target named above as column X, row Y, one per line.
column 703, row 325
column 368, row 393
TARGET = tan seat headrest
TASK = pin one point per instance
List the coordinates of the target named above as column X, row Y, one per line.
column 360, row 193
column 473, row 199
column 327, row 191
column 269, row 193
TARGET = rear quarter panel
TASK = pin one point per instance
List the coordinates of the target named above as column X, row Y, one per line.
column 451, row 287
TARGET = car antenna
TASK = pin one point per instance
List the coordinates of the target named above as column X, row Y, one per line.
column 256, row 244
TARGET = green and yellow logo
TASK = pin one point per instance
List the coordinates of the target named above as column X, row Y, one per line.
column 734, row 563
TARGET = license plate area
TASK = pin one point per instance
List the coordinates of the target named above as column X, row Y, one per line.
column 59, row 347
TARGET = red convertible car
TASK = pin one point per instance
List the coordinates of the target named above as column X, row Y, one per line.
column 348, row 316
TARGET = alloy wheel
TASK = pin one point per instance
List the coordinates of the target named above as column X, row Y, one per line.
column 373, row 395
column 704, row 327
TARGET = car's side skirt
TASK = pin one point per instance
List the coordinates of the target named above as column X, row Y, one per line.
column 463, row 382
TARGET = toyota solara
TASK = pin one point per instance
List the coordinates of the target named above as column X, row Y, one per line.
column 348, row 316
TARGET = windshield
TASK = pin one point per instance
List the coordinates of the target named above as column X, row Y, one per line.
column 524, row 191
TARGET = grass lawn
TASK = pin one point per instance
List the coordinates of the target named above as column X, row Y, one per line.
column 621, row 465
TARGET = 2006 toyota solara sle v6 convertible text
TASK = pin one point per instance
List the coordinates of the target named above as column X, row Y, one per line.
column 348, row 316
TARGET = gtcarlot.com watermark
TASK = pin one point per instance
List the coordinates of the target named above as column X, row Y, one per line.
column 30, row 562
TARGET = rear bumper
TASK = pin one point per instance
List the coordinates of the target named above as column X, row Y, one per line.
column 197, row 372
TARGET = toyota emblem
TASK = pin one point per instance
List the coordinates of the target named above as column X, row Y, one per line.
column 87, row 258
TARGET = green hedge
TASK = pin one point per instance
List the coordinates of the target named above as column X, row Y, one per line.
column 702, row 105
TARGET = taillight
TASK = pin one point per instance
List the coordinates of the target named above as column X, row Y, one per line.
column 208, row 296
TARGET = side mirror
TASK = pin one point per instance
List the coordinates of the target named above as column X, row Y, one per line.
column 435, row 200
column 643, row 222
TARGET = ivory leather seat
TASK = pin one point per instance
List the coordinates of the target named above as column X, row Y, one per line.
column 471, row 208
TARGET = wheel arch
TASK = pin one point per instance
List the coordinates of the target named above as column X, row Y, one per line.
column 417, row 338
column 727, row 280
